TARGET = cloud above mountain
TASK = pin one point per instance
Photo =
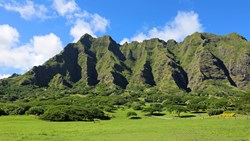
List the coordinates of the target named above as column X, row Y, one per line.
column 81, row 21
column 27, row 9
column 185, row 23
column 24, row 56
column 39, row 48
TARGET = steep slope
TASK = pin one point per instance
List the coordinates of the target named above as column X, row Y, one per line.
column 201, row 61
column 220, row 58
column 153, row 64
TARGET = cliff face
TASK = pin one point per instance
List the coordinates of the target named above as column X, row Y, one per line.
column 202, row 60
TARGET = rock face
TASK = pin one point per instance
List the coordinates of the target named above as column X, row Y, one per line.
column 201, row 60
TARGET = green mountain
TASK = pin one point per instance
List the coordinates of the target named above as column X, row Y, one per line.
column 201, row 62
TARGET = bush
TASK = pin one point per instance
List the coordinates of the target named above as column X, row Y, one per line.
column 72, row 113
column 156, row 107
column 131, row 114
column 109, row 109
column 37, row 110
column 2, row 112
column 97, row 113
column 55, row 115
column 212, row 112
column 137, row 106
column 177, row 108
column 12, row 109
column 196, row 107
column 120, row 101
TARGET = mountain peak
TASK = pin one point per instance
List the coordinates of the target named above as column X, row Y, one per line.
column 107, row 38
column 235, row 35
column 85, row 37
column 200, row 60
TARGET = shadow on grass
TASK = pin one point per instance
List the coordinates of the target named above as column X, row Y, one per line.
column 135, row 118
column 198, row 112
column 155, row 114
column 186, row 116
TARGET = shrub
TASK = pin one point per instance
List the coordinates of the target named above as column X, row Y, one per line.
column 37, row 110
column 177, row 108
column 2, row 112
column 137, row 106
column 131, row 114
column 97, row 113
column 156, row 107
column 12, row 109
column 72, row 113
column 120, row 101
column 62, row 113
column 55, row 115
column 212, row 112
column 196, row 107
column 109, row 109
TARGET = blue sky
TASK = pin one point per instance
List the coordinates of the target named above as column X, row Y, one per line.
column 32, row 31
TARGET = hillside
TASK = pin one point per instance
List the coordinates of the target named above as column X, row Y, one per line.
column 201, row 62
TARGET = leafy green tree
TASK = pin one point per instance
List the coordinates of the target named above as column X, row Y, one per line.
column 197, row 103
column 72, row 113
column 12, row 109
column 221, row 103
column 55, row 115
column 137, row 106
column 36, row 110
column 214, row 103
column 196, row 107
column 178, row 109
column 212, row 112
column 243, row 104
column 157, row 107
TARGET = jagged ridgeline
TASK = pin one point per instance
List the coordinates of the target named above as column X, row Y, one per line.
column 202, row 61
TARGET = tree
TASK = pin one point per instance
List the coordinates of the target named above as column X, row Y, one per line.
column 137, row 106
column 243, row 104
column 72, row 113
column 157, row 107
column 212, row 112
column 36, row 110
column 247, row 110
column 196, row 107
column 196, row 104
column 178, row 109
column 12, row 109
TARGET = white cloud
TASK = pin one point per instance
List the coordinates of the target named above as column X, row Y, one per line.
column 80, row 27
column 45, row 47
column 4, row 76
column 185, row 23
column 81, row 20
column 98, row 23
column 140, row 37
column 64, row 7
column 88, row 23
column 27, row 10
column 124, row 40
column 36, row 52
column 8, row 36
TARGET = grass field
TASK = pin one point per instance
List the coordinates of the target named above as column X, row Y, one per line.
column 28, row 128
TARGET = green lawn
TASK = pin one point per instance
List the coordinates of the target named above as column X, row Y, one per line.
column 26, row 128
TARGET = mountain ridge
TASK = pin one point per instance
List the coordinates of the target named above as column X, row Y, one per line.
column 201, row 61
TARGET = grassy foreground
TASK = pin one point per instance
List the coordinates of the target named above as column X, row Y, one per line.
column 27, row 128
